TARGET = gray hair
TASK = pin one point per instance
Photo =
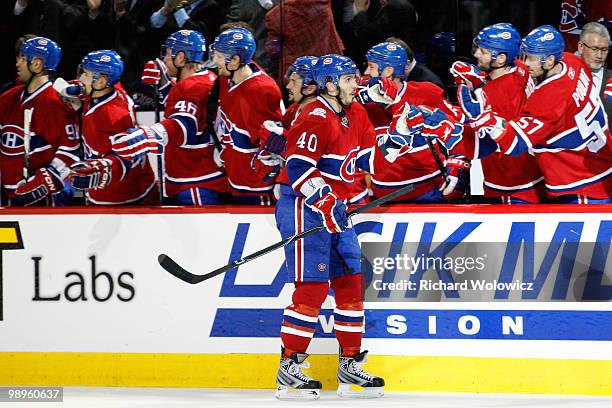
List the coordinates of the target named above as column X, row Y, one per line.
column 594, row 28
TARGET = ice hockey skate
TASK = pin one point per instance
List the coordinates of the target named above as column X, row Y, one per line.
column 350, row 374
column 292, row 383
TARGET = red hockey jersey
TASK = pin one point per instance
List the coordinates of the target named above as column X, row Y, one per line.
column 418, row 167
column 504, row 175
column 359, row 189
column 323, row 143
column 54, row 133
column 564, row 124
column 242, row 110
column 188, row 156
column 103, row 118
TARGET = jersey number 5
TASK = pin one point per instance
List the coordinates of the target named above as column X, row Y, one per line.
column 311, row 144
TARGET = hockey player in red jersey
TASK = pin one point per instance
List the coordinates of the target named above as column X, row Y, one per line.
column 106, row 178
column 329, row 139
column 52, row 126
column 563, row 122
column 301, row 90
column 384, row 94
column 507, row 179
column 191, row 175
column 247, row 98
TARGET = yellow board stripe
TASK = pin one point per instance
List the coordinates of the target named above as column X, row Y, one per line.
column 8, row 236
column 424, row 374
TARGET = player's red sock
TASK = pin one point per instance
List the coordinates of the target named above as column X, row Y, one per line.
column 301, row 317
column 348, row 314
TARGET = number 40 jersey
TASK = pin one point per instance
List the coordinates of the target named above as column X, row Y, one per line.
column 322, row 143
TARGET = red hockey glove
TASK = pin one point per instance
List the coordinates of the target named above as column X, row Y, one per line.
column 267, row 165
column 331, row 210
column 269, row 160
column 155, row 73
column 94, row 173
column 436, row 124
column 407, row 121
column 457, row 178
column 377, row 90
column 482, row 118
column 468, row 74
column 275, row 136
column 44, row 182
column 137, row 142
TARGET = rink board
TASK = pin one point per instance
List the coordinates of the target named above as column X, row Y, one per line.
column 85, row 303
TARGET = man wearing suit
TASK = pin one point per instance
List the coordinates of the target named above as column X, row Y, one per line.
column 594, row 46
column 135, row 38
column 204, row 16
column 254, row 12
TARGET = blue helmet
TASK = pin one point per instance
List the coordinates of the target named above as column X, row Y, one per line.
column 331, row 67
column 236, row 41
column 43, row 48
column 501, row 38
column 544, row 41
column 388, row 54
column 106, row 62
column 191, row 43
column 441, row 44
column 305, row 68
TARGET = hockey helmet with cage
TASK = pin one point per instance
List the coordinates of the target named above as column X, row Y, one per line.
column 236, row 41
column 104, row 62
column 501, row 38
column 331, row 67
column 388, row 54
column 305, row 67
column 40, row 47
column 543, row 41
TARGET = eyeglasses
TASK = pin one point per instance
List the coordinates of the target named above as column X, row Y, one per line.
column 603, row 50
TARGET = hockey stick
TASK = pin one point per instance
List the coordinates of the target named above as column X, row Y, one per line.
column 27, row 122
column 175, row 269
column 439, row 163
column 159, row 158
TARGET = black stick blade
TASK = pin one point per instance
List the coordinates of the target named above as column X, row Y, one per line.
column 175, row 269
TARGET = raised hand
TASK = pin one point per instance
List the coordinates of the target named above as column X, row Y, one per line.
column 137, row 142
column 468, row 74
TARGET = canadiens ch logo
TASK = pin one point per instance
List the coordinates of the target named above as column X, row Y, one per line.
column 10, row 238
column 568, row 17
column 12, row 140
column 347, row 169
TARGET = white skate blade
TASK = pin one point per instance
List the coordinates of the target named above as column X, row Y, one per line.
column 287, row 393
column 355, row 391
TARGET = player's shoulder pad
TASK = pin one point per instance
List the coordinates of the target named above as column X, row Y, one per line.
column 317, row 110
column 313, row 115
column 263, row 85
column 13, row 93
